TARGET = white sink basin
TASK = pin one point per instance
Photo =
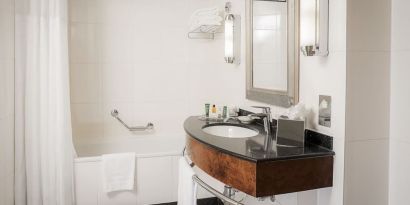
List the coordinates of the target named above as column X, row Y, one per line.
column 230, row 131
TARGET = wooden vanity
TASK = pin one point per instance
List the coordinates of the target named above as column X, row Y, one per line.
column 258, row 174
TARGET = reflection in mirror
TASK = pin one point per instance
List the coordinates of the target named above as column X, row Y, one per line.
column 272, row 51
column 269, row 45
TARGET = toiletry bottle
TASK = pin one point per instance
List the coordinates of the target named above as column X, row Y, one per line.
column 225, row 112
column 213, row 110
column 207, row 107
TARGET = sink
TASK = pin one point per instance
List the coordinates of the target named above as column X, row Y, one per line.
column 230, row 131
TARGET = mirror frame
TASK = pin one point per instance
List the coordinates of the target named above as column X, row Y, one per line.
column 274, row 97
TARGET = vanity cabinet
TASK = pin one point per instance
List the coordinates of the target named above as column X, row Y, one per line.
column 262, row 178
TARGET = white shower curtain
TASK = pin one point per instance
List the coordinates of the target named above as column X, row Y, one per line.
column 43, row 144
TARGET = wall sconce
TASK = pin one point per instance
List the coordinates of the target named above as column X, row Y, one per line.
column 232, row 35
column 321, row 44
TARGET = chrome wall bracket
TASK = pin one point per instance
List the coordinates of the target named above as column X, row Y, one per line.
column 321, row 47
column 149, row 126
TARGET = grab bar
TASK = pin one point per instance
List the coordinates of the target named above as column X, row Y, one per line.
column 149, row 126
column 214, row 191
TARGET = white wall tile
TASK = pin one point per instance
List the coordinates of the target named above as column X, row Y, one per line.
column 368, row 91
column 7, row 160
column 117, row 82
column 86, row 83
column 399, row 172
column 7, row 102
column 177, row 13
column 87, row 121
column 367, row 172
column 147, row 45
column 400, row 98
column 117, row 12
column 148, row 15
column 6, row 88
column 116, row 43
column 84, row 47
column 85, row 11
column 368, row 27
column 7, row 33
column 399, row 29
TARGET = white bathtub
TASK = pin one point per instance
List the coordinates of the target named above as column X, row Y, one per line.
column 156, row 171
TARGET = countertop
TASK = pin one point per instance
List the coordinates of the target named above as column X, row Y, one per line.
column 251, row 148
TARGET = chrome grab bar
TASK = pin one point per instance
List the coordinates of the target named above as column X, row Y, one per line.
column 149, row 126
column 214, row 191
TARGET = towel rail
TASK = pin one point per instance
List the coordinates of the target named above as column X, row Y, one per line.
column 207, row 187
column 214, row 191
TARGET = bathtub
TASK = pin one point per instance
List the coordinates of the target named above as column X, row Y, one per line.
column 156, row 171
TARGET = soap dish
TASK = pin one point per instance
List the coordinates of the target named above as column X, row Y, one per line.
column 246, row 119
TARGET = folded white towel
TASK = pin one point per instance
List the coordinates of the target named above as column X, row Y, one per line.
column 186, row 186
column 208, row 21
column 118, row 172
column 206, row 16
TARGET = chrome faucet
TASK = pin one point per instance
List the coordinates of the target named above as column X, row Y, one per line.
column 267, row 119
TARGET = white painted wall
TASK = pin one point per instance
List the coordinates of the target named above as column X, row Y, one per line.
column 399, row 104
column 367, row 102
column 6, row 101
column 135, row 56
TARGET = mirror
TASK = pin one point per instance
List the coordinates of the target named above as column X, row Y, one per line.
column 272, row 51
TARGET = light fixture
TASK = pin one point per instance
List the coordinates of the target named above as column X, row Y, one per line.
column 320, row 46
column 229, row 34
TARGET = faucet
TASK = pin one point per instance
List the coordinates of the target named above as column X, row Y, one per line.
column 267, row 119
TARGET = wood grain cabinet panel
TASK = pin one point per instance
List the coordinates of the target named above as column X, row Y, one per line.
column 264, row 178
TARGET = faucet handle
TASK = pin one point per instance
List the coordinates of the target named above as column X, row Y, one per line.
column 265, row 109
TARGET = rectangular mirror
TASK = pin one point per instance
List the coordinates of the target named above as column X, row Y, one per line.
column 272, row 28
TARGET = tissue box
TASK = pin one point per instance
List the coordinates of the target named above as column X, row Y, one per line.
column 290, row 132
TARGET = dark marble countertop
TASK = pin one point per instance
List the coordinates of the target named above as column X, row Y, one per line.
column 251, row 148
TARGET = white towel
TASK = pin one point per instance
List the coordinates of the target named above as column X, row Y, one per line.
column 206, row 16
column 186, row 186
column 118, row 172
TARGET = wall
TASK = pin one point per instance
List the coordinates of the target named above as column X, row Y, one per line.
column 135, row 56
column 367, row 102
column 399, row 101
column 6, row 101
column 151, row 71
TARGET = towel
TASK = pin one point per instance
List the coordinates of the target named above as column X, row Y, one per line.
column 186, row 186
column 118, row 172
column 206, row 16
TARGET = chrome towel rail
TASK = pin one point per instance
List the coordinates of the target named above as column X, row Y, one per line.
column 149, row 126
column 214, row 191
column 228, row 190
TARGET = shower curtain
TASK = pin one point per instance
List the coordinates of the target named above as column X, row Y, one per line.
column 43, row 139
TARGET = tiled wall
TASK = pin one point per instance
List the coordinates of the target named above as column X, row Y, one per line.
column 367, row 106
column 134, row 55
column 6, row 101
column 399, row 105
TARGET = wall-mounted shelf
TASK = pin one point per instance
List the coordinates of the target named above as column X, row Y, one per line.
column 204, row 32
